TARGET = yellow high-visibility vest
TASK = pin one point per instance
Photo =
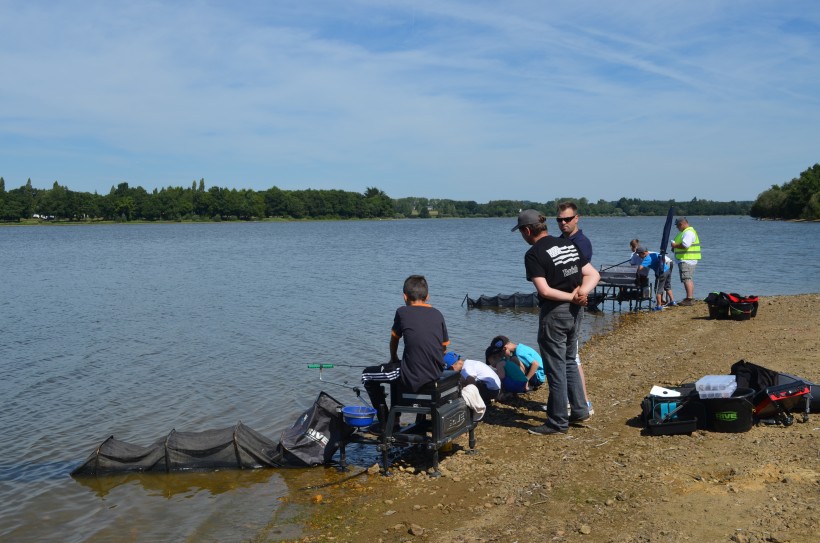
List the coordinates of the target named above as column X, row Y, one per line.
column 690, row 253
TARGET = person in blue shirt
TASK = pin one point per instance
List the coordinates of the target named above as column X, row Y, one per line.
column 568, row 218
column 652, row 261
column 519, row 367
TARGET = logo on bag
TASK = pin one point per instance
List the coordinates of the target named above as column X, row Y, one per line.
column 455, row 421
column 726, row 416
column 318, row 437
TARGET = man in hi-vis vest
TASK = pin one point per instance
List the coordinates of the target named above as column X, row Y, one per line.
column 687, row 251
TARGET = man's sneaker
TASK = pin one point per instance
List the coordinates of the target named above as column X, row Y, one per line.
column 545, row 430
column 569, row 409
column 687, row 302
column 578, row 419
column 657, row 308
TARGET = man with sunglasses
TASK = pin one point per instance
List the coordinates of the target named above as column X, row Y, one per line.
column 568, row 223
column 563, row 278
column 568, row 218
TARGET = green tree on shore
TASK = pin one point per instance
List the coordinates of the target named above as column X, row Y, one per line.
column 797, row 199
column 196, row 203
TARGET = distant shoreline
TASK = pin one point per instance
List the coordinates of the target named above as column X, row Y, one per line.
column 37, row 222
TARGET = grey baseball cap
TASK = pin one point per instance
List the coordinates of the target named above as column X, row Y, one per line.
column 526, row 218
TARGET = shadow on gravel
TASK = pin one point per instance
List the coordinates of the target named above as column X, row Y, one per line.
column 518, row 411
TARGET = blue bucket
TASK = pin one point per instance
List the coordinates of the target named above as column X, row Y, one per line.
column 358, row 415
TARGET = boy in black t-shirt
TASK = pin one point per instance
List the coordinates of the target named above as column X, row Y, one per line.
column 425, row 339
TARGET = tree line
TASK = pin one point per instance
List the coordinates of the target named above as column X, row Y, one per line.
column 797, row 199
column 124, row 203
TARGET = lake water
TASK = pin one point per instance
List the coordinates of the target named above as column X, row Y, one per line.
column 134, row 330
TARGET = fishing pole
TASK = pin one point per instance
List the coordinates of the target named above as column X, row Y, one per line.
column 340, row 365
column 612, row 266
column 355, row 389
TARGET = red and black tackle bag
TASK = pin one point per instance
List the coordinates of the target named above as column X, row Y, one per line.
column 779, row 394
column 730, row 305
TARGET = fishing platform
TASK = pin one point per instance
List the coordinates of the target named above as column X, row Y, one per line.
column 620, row 284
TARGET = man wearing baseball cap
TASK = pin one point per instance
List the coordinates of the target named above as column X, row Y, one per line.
column 563, row 279
column 687, row 251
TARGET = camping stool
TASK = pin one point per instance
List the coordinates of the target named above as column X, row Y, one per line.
column 449, row 417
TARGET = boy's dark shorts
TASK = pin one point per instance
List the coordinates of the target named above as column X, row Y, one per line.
column 662, row 282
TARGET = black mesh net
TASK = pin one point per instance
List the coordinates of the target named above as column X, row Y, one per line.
column 312, row 440
column 518, row 299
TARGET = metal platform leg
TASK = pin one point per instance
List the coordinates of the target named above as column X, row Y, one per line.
column 435, row 472
column 385, row 458
column 342, row 443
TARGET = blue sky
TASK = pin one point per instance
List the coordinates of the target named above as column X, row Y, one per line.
column 469, row 100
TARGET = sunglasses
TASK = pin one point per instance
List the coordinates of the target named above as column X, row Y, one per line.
column 564, row 219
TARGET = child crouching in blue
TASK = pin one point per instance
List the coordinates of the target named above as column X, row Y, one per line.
column 519, row 367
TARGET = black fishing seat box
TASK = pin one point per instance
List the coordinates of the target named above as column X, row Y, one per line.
column 435, row 393
column 441, row 413
column 441, row 416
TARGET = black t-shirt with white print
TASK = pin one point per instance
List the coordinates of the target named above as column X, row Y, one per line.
column 557, row 260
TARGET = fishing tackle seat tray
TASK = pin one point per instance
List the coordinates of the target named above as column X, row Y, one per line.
column 775, row 404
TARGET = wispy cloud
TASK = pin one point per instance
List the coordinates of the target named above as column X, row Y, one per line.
column 451, row 99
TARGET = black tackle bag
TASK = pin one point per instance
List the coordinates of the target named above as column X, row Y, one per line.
column 314, row 437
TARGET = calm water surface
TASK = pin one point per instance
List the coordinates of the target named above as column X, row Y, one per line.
column 134, row 330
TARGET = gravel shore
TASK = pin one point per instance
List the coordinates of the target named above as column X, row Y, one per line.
column 606, row 481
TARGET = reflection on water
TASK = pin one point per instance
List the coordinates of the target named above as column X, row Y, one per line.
column 169, row 485
column 224, row 505
column 28, row 472
column 135, row 330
